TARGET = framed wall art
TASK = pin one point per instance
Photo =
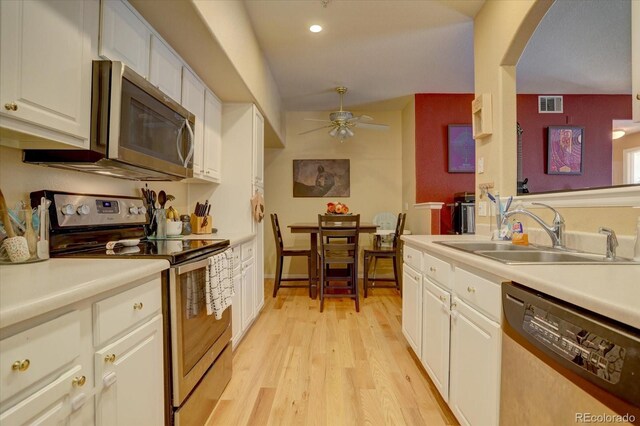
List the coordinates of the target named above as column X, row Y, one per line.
column 461, row 149
column 321, row 178
column 565, row 149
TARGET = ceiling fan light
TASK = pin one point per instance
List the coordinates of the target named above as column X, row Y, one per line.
column 349, row 131
column 333, row 133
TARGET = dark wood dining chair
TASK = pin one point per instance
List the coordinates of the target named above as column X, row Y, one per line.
column 338, row 255
column 378, row 252
column 281, row 252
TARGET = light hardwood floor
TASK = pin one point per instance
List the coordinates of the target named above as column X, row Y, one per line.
column 297, row 366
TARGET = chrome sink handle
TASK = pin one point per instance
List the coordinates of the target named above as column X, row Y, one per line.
column 612, row 242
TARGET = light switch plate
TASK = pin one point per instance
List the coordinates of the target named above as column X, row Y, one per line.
column 482, row 208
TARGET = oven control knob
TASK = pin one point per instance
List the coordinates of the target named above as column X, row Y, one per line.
column 83, row 210
column 142, row 210
column 133, row 210
column 68, row 210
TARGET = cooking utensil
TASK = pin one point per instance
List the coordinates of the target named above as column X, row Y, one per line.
column 127, row 243
column 42, row 248
column 197, row 209
column 162, row 199
column 153, row 199
column 6, row 220
column 29, row 233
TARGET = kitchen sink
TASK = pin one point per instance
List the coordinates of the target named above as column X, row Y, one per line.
column 506, row 252
column 473, row 246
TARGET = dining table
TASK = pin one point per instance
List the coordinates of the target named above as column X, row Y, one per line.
column 312, row 229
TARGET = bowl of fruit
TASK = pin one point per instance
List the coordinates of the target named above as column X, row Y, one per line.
column 337, row 208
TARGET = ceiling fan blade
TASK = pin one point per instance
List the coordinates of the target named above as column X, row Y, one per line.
column 317, row 128
column 359, row 118
column 373, row 126
column 317, row 119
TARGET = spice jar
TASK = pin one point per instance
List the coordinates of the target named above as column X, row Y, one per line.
column 186, row 224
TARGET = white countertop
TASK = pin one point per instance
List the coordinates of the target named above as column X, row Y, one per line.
column 32, row 289
column 610, row 290
column 233, row 237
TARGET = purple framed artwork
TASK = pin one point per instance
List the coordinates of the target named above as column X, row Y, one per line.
column 565, row 150
column 462, row 149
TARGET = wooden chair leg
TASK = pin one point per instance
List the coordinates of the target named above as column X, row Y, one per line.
column 365, row 280
column 321, row 283
column 396, row 275
column 278, row 276
column 354, row 281
column 310, row 272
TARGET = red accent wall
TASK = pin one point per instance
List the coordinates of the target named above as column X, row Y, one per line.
column 593, row 112
column 434, row 112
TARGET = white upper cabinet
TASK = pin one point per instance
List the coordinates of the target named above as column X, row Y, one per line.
column 212, row 147
column 46, row 49
column 165, row 69
column 193, row 100
column 124, row 36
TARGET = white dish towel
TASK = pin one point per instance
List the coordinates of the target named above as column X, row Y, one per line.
column 219, row 283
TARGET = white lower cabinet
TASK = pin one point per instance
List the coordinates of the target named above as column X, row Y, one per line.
column 450, row 317
column 436, row 324
column 475, row 366
column 248, row 292
column 132, row 390
column 412, row 307
column 51, row 368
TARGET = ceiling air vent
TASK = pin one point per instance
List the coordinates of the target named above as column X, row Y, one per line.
column 549, row 104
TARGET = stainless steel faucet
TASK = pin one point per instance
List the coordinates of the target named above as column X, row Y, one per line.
column 612, row 242
column 556, row 231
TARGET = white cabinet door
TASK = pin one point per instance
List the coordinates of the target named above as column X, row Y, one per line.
column 165, row 69
column 475, row 366
column 131, row 373
column 412, row 307
column 258, row 288
column 193, row 100
column 258, row 148
column 435, row 335
column 236, row 311
column 45, row 68
column 124, row 37
column 212, row 155
column 248, row 292
column 51, row 404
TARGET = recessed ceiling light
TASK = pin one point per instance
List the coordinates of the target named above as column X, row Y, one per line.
column 617, row 134
column 315, row 28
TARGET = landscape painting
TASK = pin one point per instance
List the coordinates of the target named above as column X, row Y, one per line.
column 321, row 178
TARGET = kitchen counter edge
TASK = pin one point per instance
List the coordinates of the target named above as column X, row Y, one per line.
column 609, row 290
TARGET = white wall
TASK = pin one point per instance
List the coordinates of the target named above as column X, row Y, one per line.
column 18, row 179
column 376, row 177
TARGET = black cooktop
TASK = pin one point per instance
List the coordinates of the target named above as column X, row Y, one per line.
column 174, row 250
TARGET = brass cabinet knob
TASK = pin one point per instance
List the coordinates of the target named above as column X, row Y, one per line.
column 432, row 269
column 471, row 289
column 78, row 382
column 11, row 106
column 22, row 365
column 110, row 358
column 443, row 298
column 138, row 306
column 638, row 96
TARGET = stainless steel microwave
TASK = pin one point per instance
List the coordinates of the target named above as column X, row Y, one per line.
column 137, row 132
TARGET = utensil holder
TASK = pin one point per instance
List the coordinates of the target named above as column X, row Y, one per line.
column 197, row 226
column 30, row 243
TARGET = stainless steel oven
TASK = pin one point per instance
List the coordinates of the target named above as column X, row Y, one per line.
column 197, row 349
column 201, row 354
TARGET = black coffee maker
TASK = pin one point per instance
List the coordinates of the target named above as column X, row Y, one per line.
column 464, row 213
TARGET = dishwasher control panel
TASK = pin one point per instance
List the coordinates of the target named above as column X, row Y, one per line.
column 582, row 347
column 599, row 349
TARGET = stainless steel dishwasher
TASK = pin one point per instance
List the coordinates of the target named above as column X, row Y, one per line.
column 564, row 365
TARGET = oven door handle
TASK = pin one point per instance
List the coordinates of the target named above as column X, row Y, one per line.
column 192, row 266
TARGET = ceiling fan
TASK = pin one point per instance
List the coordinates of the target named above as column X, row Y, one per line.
column 341, row 122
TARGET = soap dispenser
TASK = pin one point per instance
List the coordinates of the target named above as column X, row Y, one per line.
column 636, row 247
